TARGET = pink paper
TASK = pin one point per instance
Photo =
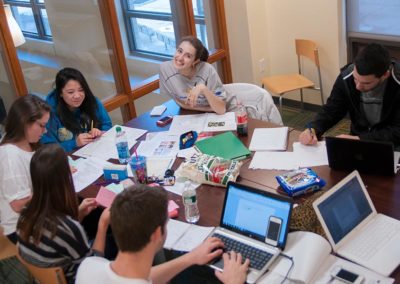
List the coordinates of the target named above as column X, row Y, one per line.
column 172, row 206
column 105, row 197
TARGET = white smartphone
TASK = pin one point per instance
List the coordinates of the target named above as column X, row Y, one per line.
column 273, row 230
column 346, row 276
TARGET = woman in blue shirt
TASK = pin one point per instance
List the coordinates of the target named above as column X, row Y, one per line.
column 77, row 116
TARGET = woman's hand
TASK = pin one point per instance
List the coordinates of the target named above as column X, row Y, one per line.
column 86, row 206
column 194, row 94
column 95, row 132
column 83, row 139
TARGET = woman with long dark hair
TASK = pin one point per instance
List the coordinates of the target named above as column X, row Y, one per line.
column 49, row 232
column 77, row 116
column 190, row 80
column 25, row 124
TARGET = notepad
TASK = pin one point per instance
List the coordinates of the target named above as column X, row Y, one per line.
column 269, row 139
column 225, row 145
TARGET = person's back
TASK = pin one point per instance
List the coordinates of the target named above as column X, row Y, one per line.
column 49, row 234
column 139, row 234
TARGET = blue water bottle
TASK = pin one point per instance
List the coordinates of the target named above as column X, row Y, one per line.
column 121, row 142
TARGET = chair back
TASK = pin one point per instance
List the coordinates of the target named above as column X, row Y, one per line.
column 50, row 275
column 307, row 48
column 258, row 102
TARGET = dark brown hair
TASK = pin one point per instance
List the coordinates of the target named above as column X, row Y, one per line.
column 201, row 51
column 24, row 111
column 53, row 193
column 135, row 215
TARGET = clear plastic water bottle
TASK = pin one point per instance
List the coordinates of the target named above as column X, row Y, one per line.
column 192, row 214
column 121, row 142
column 241, row 120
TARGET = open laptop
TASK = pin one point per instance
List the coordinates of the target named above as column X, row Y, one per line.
column 373, row 157
column 256, row 219
column 354, row 228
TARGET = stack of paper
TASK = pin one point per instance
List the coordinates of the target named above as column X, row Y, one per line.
column 269, row 139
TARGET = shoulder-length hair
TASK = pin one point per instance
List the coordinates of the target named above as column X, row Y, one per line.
column 23, row 112
column 53, row 193
column 201, row 51
column 88, row 107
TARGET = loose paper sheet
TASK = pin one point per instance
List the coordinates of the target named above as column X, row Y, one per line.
column 302, row 156
column 104, row 146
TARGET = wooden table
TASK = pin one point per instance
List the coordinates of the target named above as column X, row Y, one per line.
column 384, row 190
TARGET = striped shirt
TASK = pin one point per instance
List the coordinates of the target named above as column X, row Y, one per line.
column 67, row 249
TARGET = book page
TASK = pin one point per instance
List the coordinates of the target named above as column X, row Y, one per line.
column 308, row 251
column 269, row 139
column 175, row 230
column 193, row 237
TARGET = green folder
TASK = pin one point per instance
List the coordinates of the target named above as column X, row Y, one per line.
column 225, row 145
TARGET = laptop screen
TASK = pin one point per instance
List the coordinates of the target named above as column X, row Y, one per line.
column 248, row 211
column 345, row 209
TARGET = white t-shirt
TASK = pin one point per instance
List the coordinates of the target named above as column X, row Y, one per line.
column 98, row 270
column 15, row 183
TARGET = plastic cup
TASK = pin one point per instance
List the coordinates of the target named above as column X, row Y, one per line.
column 139, row 169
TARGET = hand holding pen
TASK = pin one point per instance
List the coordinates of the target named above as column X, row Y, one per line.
column 308, row 136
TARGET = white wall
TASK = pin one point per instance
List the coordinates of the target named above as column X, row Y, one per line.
column 269, row 30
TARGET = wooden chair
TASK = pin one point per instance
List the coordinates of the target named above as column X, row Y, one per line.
column 7, row 248
column 282, row 84
column 51, row 275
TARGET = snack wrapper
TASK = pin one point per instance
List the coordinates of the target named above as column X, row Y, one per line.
column 300, row 181
column 212, row 170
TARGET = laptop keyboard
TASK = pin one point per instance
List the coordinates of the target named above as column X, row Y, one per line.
column 258, row 258
column 374, row 237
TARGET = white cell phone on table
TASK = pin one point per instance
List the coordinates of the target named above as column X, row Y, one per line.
column 346, row 276
column 273, row 230
column 158, row 110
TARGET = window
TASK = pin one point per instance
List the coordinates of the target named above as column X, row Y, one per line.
column 31, row 16
column 152, row 26
column 373, row 21
column 373, row 17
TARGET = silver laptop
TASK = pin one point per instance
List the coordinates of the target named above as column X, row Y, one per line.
column 254, row 223
column 354, row 228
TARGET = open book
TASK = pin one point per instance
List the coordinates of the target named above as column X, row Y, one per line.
column 313, row 262
column 183, row 236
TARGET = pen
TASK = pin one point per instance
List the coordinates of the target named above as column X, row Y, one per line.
column 312, row 131
column 91, row 126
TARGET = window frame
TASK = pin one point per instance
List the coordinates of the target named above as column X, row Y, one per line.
column 37, row 16
column 171, row 17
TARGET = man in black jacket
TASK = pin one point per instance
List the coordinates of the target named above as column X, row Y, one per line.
column 369, row 91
